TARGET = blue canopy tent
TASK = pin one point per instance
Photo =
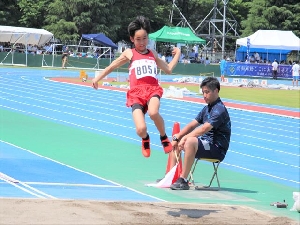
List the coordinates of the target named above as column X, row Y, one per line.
column 268, row 54
column 106, row 45
column 100, row 39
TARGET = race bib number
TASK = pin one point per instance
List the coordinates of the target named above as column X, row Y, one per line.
column 144, row 68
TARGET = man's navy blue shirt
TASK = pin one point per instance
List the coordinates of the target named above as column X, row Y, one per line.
column 216, row 115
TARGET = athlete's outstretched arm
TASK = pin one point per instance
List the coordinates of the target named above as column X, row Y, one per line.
column 168, row 68
column 124, row 58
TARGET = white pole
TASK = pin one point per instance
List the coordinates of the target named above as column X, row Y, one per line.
column 171, row 13
column 53, row 49
column 78, row 44
column 26, row 43
column 280, row 55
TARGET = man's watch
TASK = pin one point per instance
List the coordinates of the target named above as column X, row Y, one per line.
column 175, row 138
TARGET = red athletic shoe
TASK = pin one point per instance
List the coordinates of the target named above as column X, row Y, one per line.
column 146, row 147
column 167, row 145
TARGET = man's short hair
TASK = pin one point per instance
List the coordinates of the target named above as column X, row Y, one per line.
column 211, row 82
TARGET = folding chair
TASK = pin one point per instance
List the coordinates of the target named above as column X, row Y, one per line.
column 215, row 163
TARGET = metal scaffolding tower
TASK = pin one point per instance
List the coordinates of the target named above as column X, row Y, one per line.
column 215, row 27
column 218, row 26
column 183, row 22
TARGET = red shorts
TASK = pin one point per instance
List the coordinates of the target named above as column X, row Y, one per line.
column 141, row 94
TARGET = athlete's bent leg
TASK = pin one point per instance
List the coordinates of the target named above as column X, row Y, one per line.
column 153, row 112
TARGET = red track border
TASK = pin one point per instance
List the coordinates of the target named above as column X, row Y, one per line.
column 248, row 107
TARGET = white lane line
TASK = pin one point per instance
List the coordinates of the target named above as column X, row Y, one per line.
column 264, row 148
column 23, row 189
column 110, row 109
column 82, row 171
column 74, row 185
column 6, row 177
column 265, row 159
column 116, row 98
column 266, row 174
column 119, row 125
column 36, row 190
column 9, row 179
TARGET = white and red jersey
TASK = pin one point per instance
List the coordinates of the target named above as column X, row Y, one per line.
column 142, row 69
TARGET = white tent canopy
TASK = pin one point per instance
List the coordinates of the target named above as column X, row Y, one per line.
column 24, row 35
column 272, row 39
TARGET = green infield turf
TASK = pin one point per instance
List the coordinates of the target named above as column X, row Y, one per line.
column 287, row 98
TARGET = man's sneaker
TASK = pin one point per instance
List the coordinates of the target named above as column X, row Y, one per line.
column 146, row 147
column 167, row 145
column 180, row 184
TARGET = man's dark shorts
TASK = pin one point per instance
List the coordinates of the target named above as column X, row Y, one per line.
column 210, row 151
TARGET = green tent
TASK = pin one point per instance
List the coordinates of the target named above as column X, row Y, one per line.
column 176, row 35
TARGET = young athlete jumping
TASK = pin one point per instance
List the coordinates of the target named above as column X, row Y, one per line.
column 144, row 93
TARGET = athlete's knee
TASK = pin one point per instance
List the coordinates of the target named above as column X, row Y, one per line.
column 141, row 130
column 153, row 114
column 153, row 107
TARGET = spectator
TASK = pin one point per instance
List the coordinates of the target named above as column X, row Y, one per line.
column 207, row 136
column 195, row 48
column 222, row 68
column 64, row 57
column 207, row 61
column 201, row 59
column 33, row 49
column 48, row 48
column 274, row 69
column 186, row 60
column 39, row 51
column 163, row 57
column 295, row 73
column 257, row 57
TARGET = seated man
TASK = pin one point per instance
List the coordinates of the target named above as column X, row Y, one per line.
column 210, row 140
column 207, row 61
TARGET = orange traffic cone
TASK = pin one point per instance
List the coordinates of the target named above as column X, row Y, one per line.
column 176, row 130
column 177, row 172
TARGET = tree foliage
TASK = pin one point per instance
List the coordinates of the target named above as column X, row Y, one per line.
column 272, row 15
column 69, row 19
column 33, row 12
column 9, row 12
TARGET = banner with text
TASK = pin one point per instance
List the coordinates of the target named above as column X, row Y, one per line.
column 257, row 70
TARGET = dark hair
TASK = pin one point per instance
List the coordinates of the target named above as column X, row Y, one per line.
column 211, row 82
column 139, row 23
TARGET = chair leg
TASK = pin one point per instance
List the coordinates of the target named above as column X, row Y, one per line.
column 215, row 174
column 191, row 179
